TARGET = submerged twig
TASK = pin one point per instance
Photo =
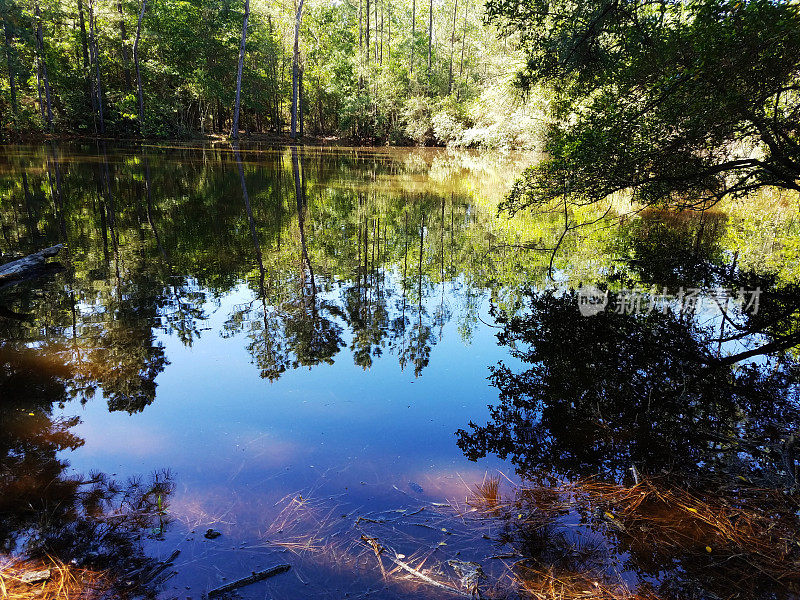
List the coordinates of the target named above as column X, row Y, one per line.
column 250, row 579
column 378, row 549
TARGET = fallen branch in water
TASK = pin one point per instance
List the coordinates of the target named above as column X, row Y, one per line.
column 379, row 550
column 29, row 267
column 255, row 577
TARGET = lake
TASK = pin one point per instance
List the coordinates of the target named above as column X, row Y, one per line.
column 315, row 356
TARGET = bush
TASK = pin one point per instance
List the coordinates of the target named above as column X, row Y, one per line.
column 417, row 118
column 449, row 122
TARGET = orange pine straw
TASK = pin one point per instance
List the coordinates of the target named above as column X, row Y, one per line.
column 65, row 582
column 749, row 530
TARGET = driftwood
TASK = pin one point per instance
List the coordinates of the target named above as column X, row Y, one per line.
column 29, row 267
column 255, row 577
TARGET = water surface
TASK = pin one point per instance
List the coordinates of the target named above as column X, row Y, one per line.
column 238, row 332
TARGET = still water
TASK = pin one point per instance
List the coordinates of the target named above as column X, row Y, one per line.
column 289, row 349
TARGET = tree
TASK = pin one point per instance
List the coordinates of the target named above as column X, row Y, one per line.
column 9, row 64
column 97, row 91
column 296, row 64
column 678, row 103
column 430, row 41
column 235, row 125
column 42, row 64
column 136, row 64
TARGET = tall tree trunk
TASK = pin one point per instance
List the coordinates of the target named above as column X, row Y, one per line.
column 95, row 60
column 366, row 39
column 235, row 124
column 12, row 85
column 123, row 36
column 274, row 73
column 319, row 106
column 389, row 31
column 430, row 42
column 43, row 62
column 452, row 45
column 463, row 39
column 413, row 33
column 87, row 64
column 283, row 78
column 137, row 66
column 300, row 102
column 83, row 36
column 296, row 67
column 38, row 65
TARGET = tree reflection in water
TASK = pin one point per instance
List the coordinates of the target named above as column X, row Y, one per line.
column 366, row 255
column 691, row 427
column 91, row 520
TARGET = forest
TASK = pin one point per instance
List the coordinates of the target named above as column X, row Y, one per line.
column 380, row 71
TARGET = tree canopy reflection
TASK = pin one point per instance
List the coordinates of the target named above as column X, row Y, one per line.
column 612, row 392
column 89, row 520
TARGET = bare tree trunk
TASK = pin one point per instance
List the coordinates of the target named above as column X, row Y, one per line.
column 296, row 68
column 43, row 62
column 95, row 59
column 300, row 102
column 273, row 69
column 123, row 35
column 389, row 31
column 430, row 42
column 87, row 65
column 39, row 83
column 366, row 39
column 413, row 33
column 235, row 124
column 319, row 106
column 11, row 79
column 37, row 25
column 83, row 36
column 463, row 39
column 283, row 78
column 138, row 70
column 452, row 45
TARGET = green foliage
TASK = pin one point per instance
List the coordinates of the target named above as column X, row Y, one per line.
column 677, row 103
column 188, row 57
